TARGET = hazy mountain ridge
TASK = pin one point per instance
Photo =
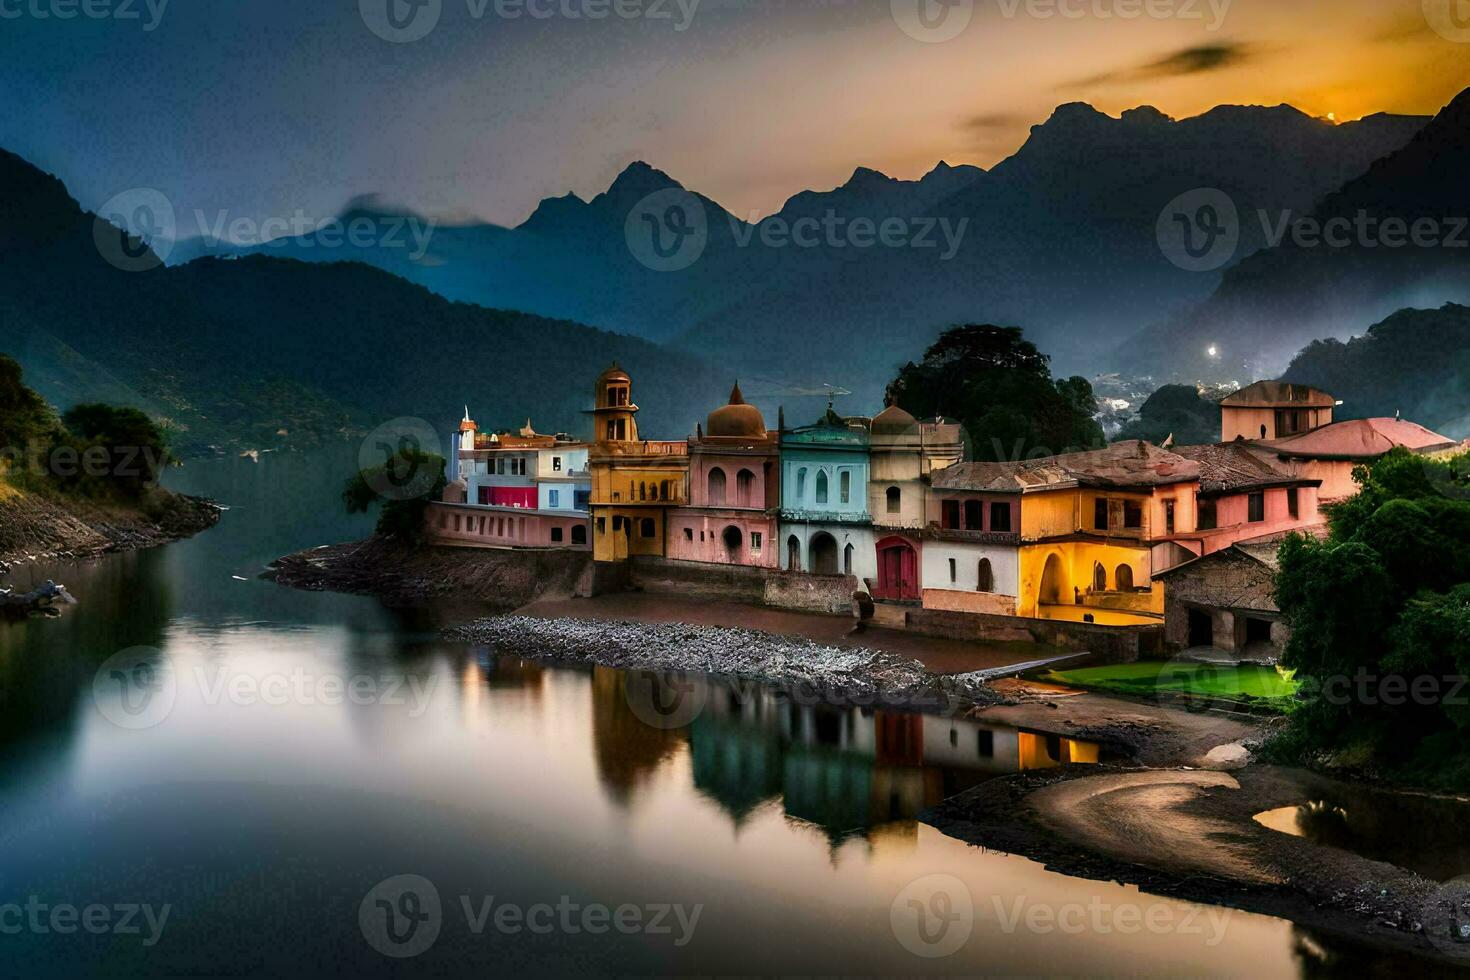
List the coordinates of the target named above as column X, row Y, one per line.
column 228, row 353
column 1059, row 238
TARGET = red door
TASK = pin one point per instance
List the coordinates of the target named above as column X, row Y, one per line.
column 898, row 570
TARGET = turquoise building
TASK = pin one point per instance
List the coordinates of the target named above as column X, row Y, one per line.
column 825, row 527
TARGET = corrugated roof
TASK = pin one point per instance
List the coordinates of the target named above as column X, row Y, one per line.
column 1124, row 464
column 1359, row 439
column 1278, row 394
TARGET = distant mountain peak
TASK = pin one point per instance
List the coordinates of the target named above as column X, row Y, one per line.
column 638, row 178
column 1146, row 114
column 866, row 177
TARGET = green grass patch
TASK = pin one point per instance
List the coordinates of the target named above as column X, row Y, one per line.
column 1250, row 684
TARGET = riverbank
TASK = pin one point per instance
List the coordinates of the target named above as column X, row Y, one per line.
column 35, row 527
column 856, row 675
column 1193, row 835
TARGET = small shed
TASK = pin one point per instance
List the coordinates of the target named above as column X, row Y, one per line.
column 1224, row 600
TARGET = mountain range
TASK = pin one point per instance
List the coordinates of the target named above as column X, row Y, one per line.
column 1059, row 238
column 264, row 352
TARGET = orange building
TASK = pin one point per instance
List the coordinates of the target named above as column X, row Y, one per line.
column 1274, row 410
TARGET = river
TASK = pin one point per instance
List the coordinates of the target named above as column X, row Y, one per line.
column 315, row 785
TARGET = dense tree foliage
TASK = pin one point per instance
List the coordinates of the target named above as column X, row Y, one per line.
column 1380, row 617
column 98, row 450
column 999, row 386
column 404, row 484
column 1179, row 411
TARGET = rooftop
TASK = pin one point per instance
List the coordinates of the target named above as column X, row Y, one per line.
column 1129, row 464
column 1235, row 466
column 1359, row 439
column 1278, row 394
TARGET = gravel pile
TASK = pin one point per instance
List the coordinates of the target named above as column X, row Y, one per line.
column 838, row 673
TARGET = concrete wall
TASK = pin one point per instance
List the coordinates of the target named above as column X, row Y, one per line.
column 1110, row 644
column 986, row 603
column 1004, row 566
column 699, row 535
column 811, row 593
column 737, row 583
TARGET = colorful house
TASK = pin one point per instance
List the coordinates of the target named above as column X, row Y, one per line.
column 635, row 482
column 1330, row 454
column 904, row 455
column 1244, row 493
column 826, row 527
column 734, row 491
column 972, row 543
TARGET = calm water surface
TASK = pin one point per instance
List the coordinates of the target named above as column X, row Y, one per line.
column 262, row 803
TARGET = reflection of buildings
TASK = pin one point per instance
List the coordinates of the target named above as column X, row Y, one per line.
column 627, row 750
column 850, row 771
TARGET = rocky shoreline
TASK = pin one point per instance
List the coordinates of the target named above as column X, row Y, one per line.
column 40, row 528
column 839, row 674
column 1191, row 834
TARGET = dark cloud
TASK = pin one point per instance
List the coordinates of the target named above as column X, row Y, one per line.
column 989, row 122
column 1188, row 61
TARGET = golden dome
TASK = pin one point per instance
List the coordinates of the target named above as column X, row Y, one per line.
column 736, row 420
column 614, row 373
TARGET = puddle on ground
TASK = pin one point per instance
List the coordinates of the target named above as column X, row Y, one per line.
column 1427, row 836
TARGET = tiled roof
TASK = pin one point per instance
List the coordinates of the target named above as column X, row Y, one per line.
column 1235, row 466
column 1124, row 464
column 1278, row 394
column 1359, row 439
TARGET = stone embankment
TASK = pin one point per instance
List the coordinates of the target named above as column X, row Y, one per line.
column 35, row 527
column 840, row 674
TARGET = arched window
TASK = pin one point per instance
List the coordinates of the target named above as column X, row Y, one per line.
column 717, row 487
column 642, row 491
column 579, row 534
column 974, row 517
column 793, row 553
column 821, row 486
column 745, row 488
column 986, row 581
column 1124, row 578
column 666, row 490
column 801, row 485
column 847, row 554
column 1099, row 577
column 845, row 486
column 895, row 500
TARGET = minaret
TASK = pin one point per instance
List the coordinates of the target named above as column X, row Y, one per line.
column 615, row 412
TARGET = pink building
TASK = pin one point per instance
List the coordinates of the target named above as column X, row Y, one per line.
column 734, row 491
column 453, row 522
column 1244, row 494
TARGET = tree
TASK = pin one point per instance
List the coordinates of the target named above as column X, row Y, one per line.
column 1000, row 388
column 118, row 448
column 1177, row 410
column 28, row 427
column 402, row 517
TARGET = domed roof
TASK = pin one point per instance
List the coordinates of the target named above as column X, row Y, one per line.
column 893, row 421
column 614, row 373
column 736, row 420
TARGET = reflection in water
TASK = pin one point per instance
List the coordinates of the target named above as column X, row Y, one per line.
column 1423, row 834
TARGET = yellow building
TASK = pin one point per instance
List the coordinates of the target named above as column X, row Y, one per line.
column 634, row 481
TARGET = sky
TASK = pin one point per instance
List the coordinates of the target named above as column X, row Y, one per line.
column 258, row 109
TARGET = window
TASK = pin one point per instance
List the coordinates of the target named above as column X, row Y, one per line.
column 617, row 524
column 985, row 743
column 985, row 579
column 895, row 500
column 456, row 522
column 974, row 515
column 1293, row 503
column 952, row 573
column 1168, row 517
column 556, row 461
column 581, row 499
column 602, row 525
column 500, row 466
column 845, row 486
column 1100, row 514
column 689, row 534
column 1099, row 577
column 717, row 487
column 801, row 485
column 1133, row 514
column 1124, row 576
column 822, row 486
column 1000, row 517
column 949, row 514
column 579, row 534
column 647, row 528
column 1206, row 514
column 755, row 542
column 556, row 535
column 554, row 498
column 518, row 466
column 1256, row 507
column 745, row 488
